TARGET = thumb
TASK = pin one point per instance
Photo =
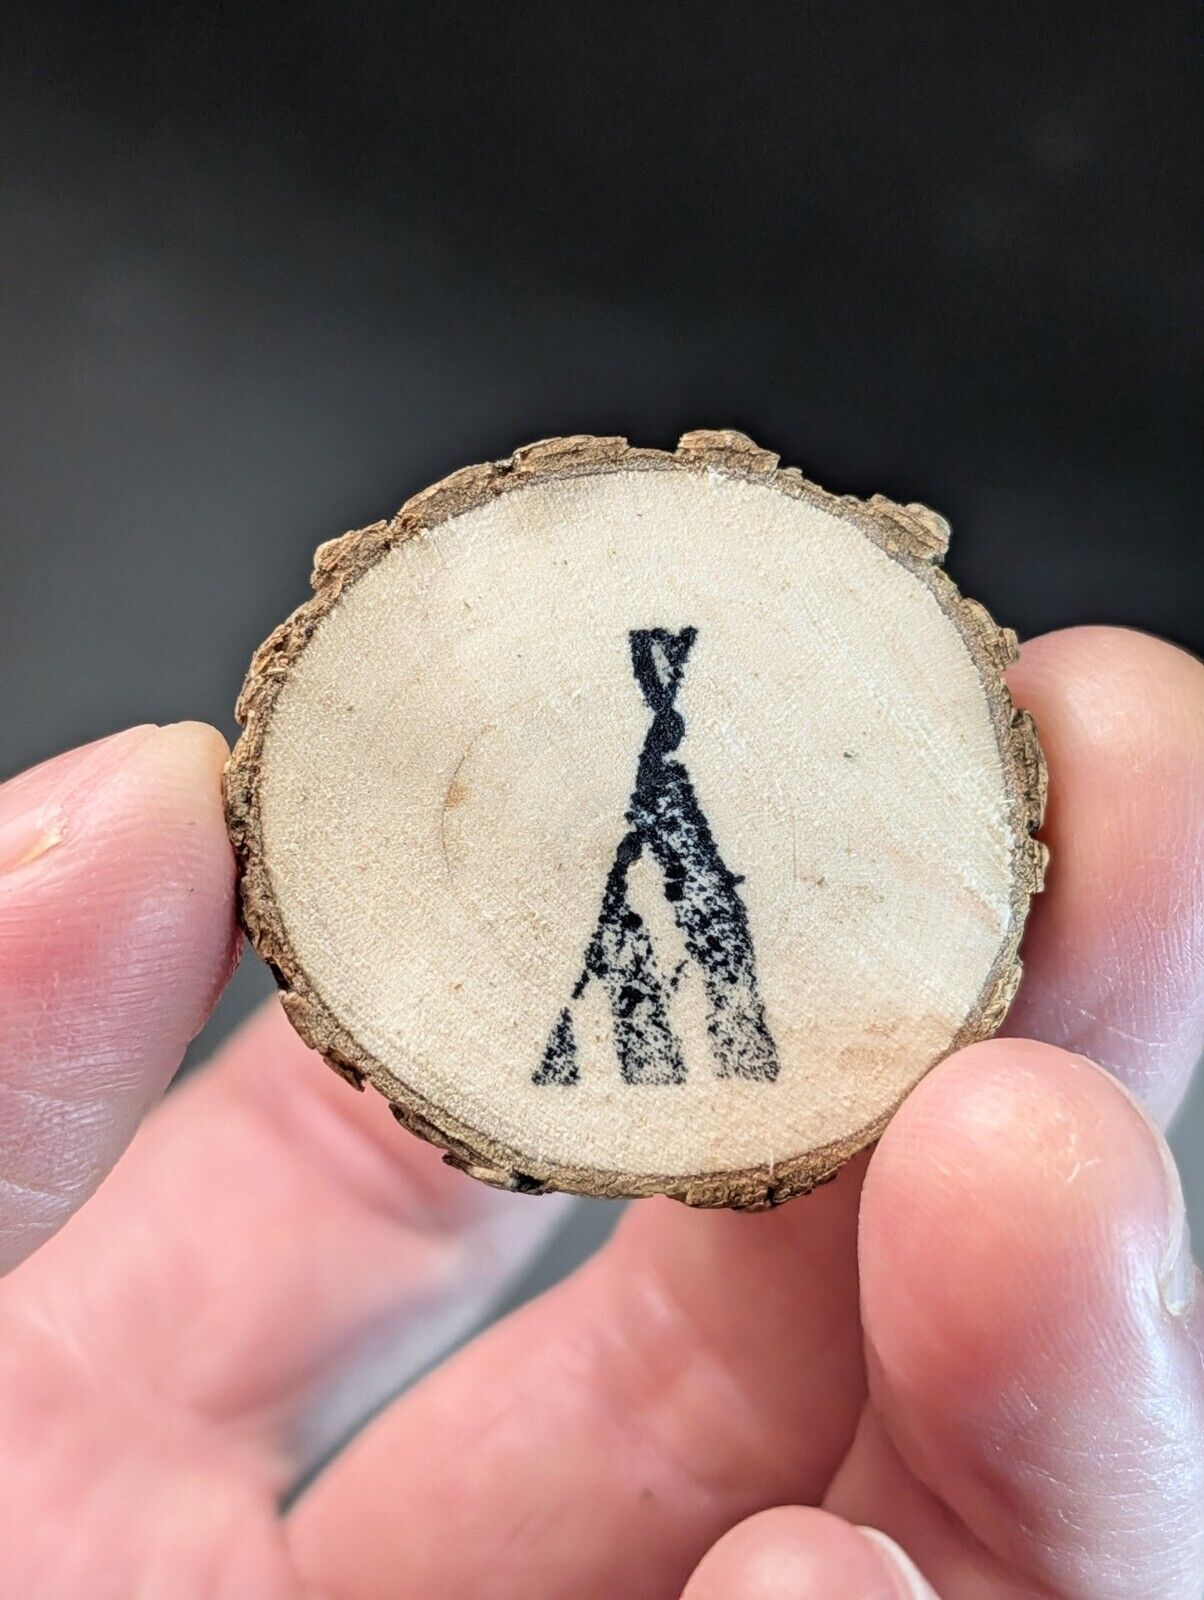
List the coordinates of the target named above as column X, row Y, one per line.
column 117, row 934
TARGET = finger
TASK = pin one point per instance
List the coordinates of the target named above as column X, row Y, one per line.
column 116, row 933
column 1035, row 1361
column 781, row 1369
column 277, row 1254
column 1114, row 952
column 800, row 1553
column 269, row 1259
column 597, row 1442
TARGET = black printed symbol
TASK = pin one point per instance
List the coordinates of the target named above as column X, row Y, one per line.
column 665, row 819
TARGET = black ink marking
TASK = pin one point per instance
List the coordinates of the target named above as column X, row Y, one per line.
column 666, row 820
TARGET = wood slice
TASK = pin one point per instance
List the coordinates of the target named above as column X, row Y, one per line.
column 639, row 823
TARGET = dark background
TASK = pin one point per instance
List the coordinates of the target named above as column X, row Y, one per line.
column 268, row 270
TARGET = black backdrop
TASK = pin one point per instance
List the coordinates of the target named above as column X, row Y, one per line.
column 268, row 270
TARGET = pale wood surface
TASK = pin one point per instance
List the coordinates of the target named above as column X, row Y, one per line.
column 706, row 668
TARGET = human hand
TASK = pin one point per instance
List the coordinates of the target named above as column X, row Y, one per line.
column 1002, row 1371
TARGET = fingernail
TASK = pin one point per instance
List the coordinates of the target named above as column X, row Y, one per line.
column 1177, row 1275
column 38, row 807
column 904, row 1569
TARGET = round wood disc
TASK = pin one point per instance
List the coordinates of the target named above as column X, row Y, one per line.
column 639, row 823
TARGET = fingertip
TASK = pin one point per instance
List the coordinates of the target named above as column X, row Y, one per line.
column 806, row 1554
column 196, row 744
column 159, row 832
column 1017, row 1151
column 1114, row 948
column 1127, row 653
column 173, row 775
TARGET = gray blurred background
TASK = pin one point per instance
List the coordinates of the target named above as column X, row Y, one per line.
column 268, row 270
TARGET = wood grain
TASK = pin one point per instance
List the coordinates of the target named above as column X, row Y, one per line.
column 638, row 822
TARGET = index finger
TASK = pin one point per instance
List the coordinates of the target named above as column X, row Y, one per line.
column 1114, row 950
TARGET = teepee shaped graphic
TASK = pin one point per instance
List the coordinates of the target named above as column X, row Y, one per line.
column 665, row 819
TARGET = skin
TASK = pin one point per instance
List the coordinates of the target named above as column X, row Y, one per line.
column 981, row 1345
